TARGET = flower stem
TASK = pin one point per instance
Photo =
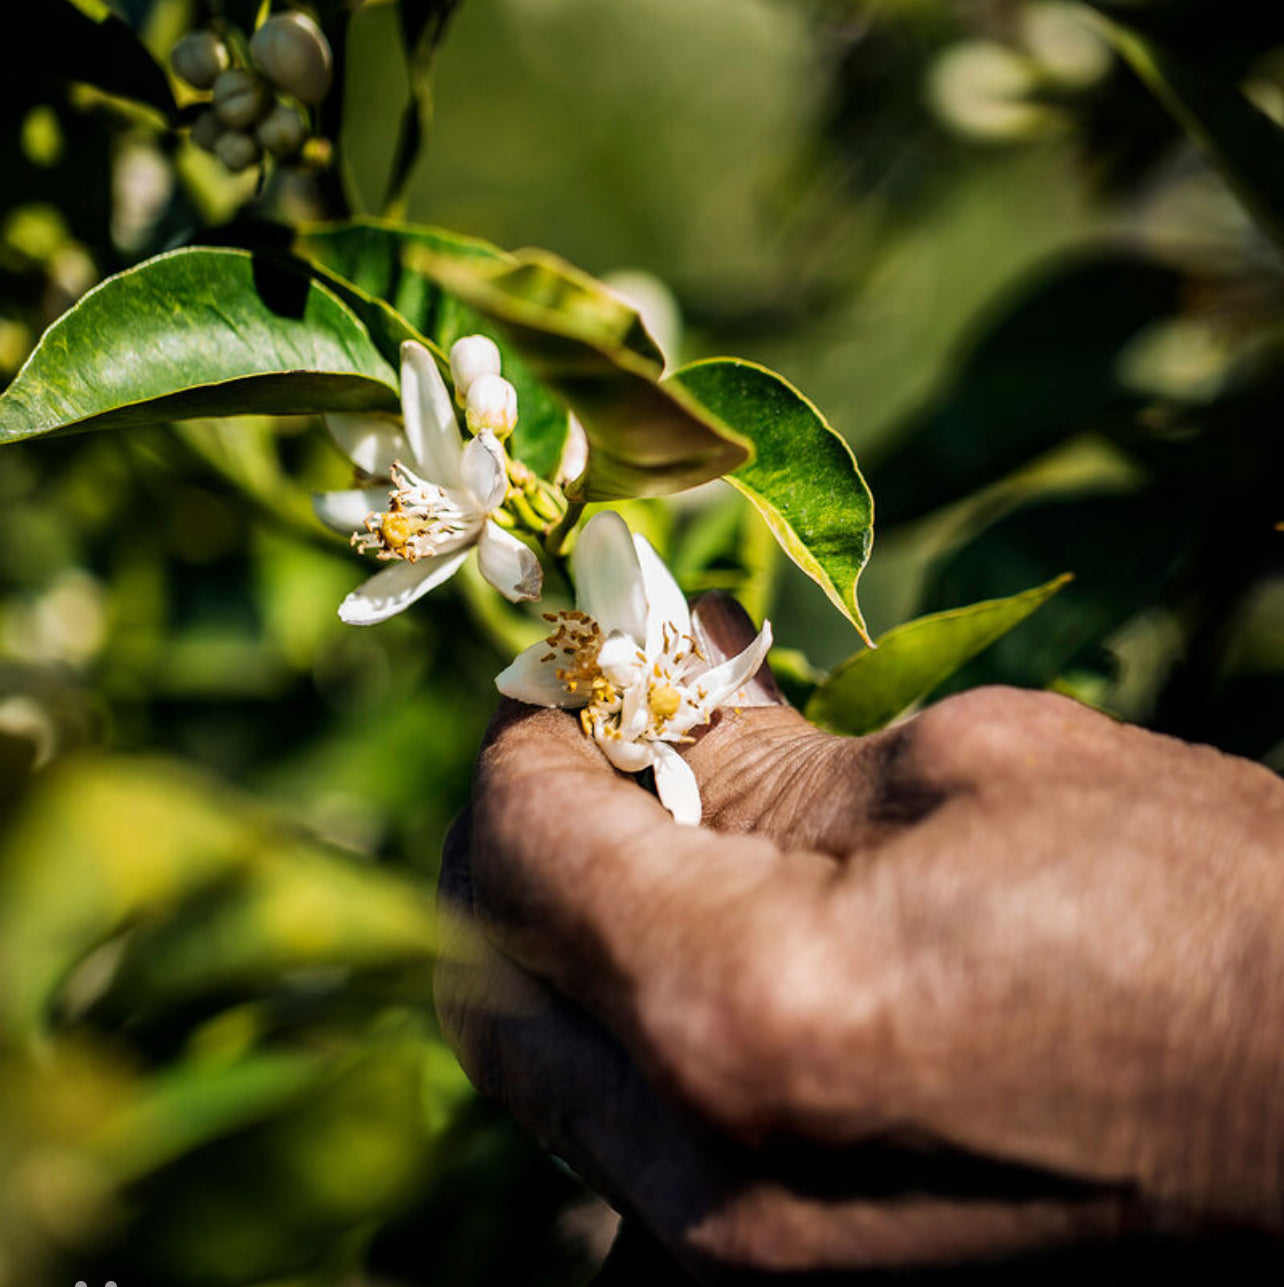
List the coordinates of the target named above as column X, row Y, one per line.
column 558, row 536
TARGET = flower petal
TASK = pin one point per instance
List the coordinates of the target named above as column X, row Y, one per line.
column 665, row 601
column 346, row 511
column 397, row 587
column 371, row 442
column 629, row 757
column 533, row 680
column 608, row 576
column 432, row 431
column 619, row 661
column 484, row 471
column 724, row 681
column 508, row 565
column 676, row 786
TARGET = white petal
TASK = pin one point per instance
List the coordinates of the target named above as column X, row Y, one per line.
column 508, row 564
column 619, row 661
column 484, row 471
column 371, row 442
column 431, row 429
column 346, row 511
column 635, row 715
column 665, row 601
column 723, row 682
column 676, row 786
column 397, row 587
column 533, row 680
column 608, row 576
column 629, row 757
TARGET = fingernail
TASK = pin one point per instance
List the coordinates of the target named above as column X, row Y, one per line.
column 724, row 629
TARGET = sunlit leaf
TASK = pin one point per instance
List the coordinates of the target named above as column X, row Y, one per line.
column 83, row 41
column 100, row 844
column 873, row 687
column 803, row 479
column 198, row 332
column 293, row 906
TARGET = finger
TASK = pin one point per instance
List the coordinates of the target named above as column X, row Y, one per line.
column 716, row 1208
column 584, row 878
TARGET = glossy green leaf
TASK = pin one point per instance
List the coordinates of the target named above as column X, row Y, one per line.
column 376, row 256
column 873, row 687
column 803, row 480
column 591, row 349
column 1242, row 141
column 83, row 41
column 199, row 332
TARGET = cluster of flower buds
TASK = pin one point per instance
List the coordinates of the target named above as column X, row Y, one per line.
column 488, row 400
column 250, row 113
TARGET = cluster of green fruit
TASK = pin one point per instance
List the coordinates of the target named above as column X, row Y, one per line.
column 288, row 58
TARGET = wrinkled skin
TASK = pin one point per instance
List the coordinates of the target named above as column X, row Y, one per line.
column 1007, row 976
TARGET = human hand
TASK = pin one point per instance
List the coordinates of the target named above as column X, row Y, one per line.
column 1004, row 976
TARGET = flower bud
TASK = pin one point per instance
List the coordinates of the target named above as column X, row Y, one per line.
column 207, row 130
column 200, row 58
column 492, row 404
column 241, row 99
column 294, row 55
column 470, row 359
column 282, row 132
column 237, row 151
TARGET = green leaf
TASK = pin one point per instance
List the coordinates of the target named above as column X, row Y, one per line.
column 83, row 41
column 872, row 688
column 593, row 352
column 185, row 1107
column 374, row 256
column 293, row 906
column 803, row 480
column 198, row 332
column 1243, row 142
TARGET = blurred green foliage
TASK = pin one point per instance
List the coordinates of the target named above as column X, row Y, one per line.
column 969, row 231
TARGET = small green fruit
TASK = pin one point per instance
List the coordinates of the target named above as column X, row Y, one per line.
column 241, row 99
column 237, row 151
column 207, row 130
column 200, row 58
column 294, row 55
column 282, row 133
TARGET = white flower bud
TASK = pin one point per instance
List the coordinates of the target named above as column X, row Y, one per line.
column 294, row 55
column 282, row 132
column 237, row 151
column 492, row 404
column 575, row 453
column 200, row 58
column 470, row 359
column 241, row 99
